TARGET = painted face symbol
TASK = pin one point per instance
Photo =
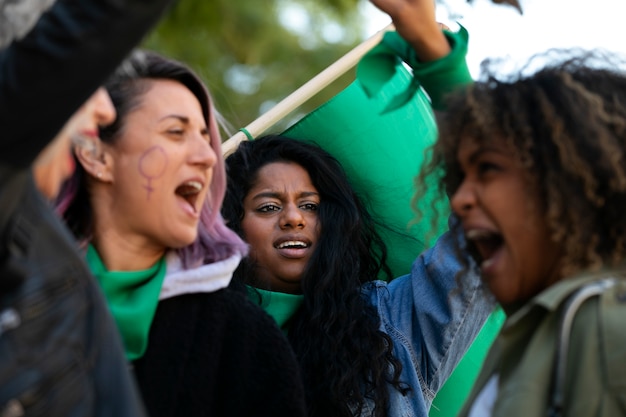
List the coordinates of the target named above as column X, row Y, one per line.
column 152, row 165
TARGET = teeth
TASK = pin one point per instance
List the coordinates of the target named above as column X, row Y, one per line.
column 476, row 234
column 292, row 243
column 194, row 184
column 487, row 263
column 189, row 187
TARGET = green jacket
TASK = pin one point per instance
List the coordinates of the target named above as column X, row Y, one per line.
column 524, row 353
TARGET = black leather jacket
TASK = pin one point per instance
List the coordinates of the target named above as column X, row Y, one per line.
column 60, row 353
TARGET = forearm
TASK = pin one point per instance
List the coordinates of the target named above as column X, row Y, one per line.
column 415, row 21
column 446, row 74
column 437, row 57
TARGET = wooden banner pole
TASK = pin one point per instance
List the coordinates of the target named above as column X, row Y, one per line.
column 305, row 92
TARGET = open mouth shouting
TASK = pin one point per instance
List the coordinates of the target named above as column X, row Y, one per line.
column 293, row 246
column 189, row 191
column 485, row 246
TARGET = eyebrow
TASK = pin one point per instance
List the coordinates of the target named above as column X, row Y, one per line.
column 482, row 150
column 276, row 194
column 183, row 119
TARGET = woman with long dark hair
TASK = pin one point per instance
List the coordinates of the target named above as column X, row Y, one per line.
column 365, row 347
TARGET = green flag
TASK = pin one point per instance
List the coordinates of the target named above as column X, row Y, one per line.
column 379, row 128
column 381, row 151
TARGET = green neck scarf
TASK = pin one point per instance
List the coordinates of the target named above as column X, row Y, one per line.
column 279, row 305
column 132, row 298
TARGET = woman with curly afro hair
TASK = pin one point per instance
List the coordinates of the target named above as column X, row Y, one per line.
column 535, row 167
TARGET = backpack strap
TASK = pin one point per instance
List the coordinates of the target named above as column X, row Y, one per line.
column 573, row 303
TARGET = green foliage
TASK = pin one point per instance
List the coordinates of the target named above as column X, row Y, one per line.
column 248, row 56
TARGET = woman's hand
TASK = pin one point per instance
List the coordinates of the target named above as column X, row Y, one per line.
column 415, row 21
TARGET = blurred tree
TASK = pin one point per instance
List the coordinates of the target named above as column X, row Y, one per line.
column 253, row 54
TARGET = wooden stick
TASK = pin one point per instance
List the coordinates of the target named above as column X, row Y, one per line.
column 305, row 92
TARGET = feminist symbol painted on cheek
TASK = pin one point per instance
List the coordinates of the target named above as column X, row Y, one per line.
column 152, row 165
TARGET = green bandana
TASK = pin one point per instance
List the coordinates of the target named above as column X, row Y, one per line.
column 132, row 298
column 279, row 305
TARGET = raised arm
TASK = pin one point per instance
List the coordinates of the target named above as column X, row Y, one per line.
column 48, row 74
column 415, row 22
column 437, row 56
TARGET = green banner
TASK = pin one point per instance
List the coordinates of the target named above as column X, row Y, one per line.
column 382, row 152
column 381, row 138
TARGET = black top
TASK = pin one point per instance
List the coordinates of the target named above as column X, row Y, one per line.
column 218, row 354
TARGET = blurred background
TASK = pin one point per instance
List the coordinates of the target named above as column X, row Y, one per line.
column 252, row 54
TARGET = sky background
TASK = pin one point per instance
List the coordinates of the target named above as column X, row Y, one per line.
column 500, row 31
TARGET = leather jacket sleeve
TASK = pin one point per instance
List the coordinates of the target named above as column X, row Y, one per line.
column 48, row 74
column 60, row 353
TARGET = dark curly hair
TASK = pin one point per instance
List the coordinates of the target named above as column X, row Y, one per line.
column 345, row 358
column 567, row 125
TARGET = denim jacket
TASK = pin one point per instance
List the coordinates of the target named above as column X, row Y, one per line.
column 432, row 318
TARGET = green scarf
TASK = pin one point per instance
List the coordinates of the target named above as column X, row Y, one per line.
column 132, row 297
column 279, row 305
